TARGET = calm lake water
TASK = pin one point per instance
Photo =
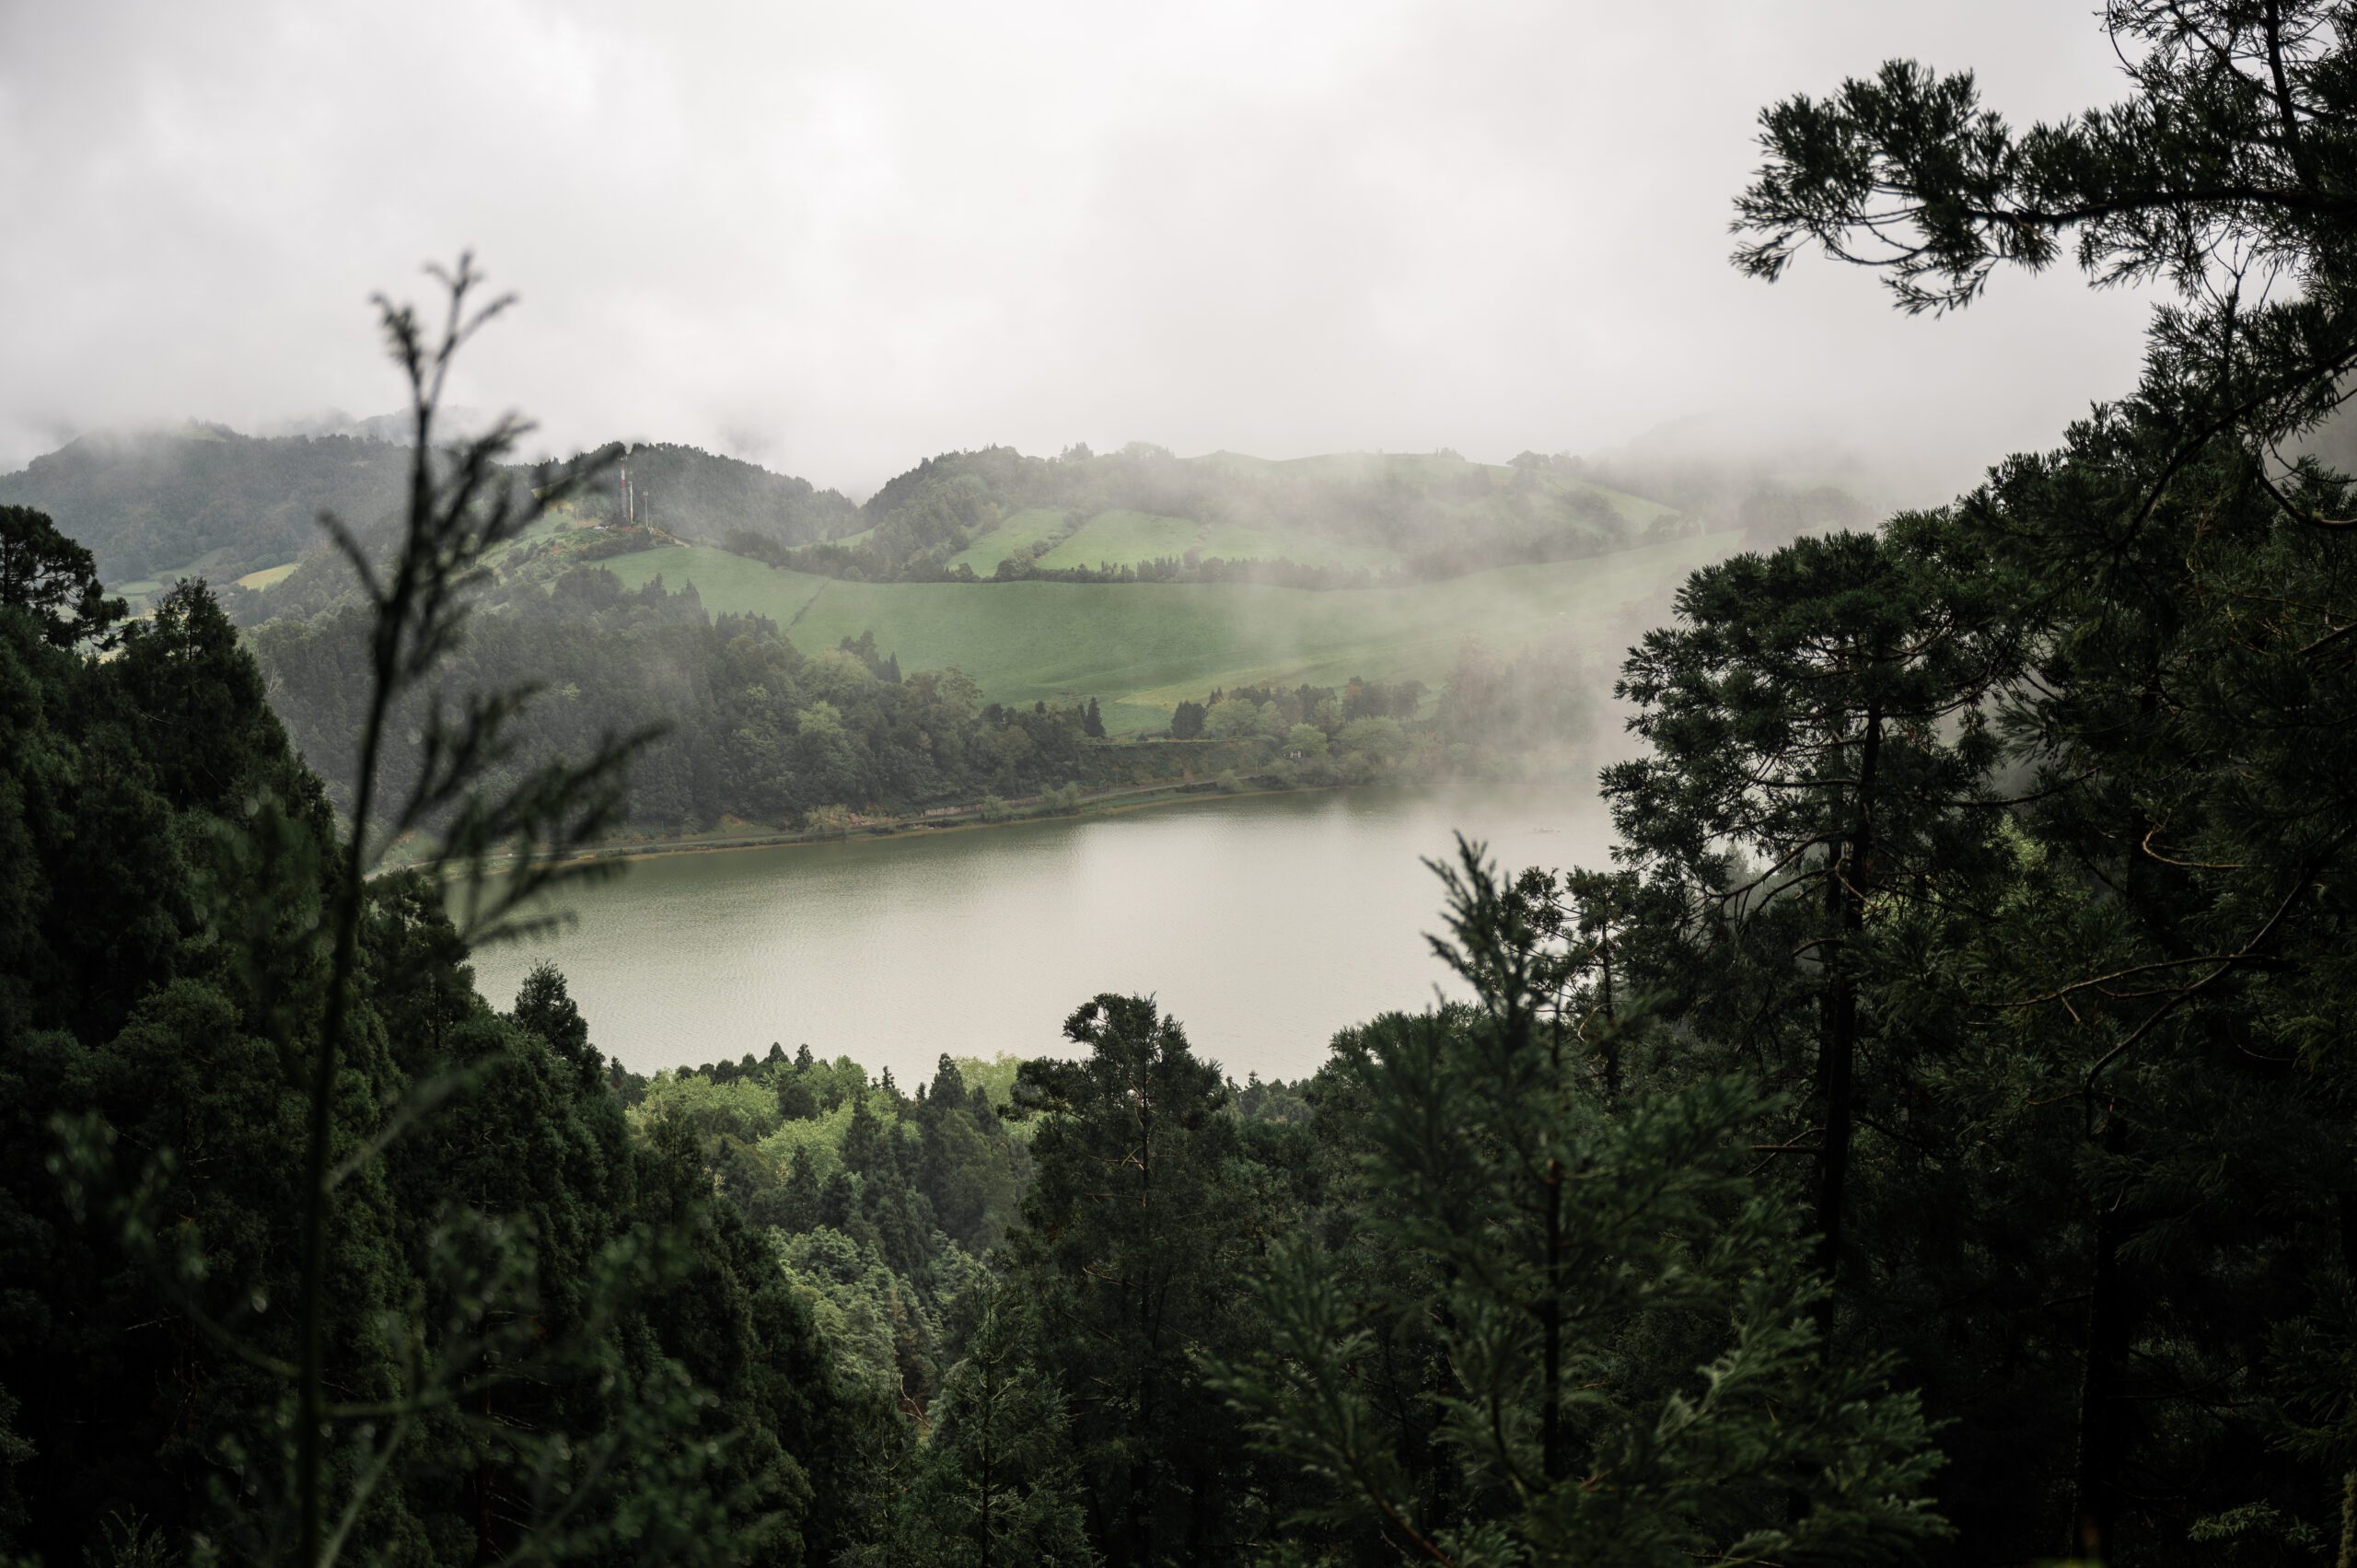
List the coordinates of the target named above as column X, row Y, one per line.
column 1265, row 923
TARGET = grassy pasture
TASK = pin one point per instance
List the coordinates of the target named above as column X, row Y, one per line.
column 1013, row 534
column 1124, row 539
column 1235, row 541
column 207, row 566
column 268, row 575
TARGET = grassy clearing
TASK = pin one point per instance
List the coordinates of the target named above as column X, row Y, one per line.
column 1012, row 537
column 1132, row 539
column 207, row 566
column 1234, row 542
column 728, row 584
column 268, row 575
column 559, row 520
column 1142, row 648
column 1124, row 539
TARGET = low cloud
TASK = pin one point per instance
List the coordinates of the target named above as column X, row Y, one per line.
column 836, row 238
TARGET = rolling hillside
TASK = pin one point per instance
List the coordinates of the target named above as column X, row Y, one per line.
column 1425, row 515
column 1141, row 648
column 202, row 500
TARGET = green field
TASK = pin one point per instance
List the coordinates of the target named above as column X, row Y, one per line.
column 1133, row 538
column 1011, row 536
column 1124, row 539
column 268, row 575
column 1142, row 648
column 1235, row 541
column 208, row 567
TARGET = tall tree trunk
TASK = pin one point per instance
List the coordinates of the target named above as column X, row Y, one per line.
column 1838, row 1040
column 992, row 1391
column 1611, row 1019
column 2347, row 1556
column 1201, row 1512
column 1553, row 1461
column 2095, row 1505
column 1143, row 1434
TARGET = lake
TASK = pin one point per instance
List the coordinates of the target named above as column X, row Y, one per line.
column 1263, row 923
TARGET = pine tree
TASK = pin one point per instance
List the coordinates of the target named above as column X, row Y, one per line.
column 801, row 1204
column 1620, row 1316
column 1130, row 1249
column 1819, row 713
column 2136, row 1019
column 996, row 1484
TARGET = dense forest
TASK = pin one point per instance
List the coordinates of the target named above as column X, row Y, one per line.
column 1928, row 1141
column 165, row 501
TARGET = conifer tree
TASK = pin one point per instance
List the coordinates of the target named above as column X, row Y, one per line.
column 2137, row 1019
column 1130, row 1247
column 1818, row 738
column 996, row 1483
column 1632, row 1374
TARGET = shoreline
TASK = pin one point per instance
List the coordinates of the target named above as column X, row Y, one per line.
column 1116, row 803
column 905, row 828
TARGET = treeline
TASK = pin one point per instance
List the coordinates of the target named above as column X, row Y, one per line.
column 1315, row 735
column 1487, row 708
column 749, row 729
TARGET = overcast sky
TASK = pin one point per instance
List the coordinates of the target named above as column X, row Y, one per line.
column 835, row 237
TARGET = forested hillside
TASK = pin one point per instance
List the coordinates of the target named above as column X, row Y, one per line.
column 205, row 500
column 702, row 494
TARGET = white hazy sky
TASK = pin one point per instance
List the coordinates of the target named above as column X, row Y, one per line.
column 835, row 237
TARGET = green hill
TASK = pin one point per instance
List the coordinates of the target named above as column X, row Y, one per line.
column 1426, row 515
column 701, row 494
column 1014, row 536
column 1141, row 648
column 202, row 500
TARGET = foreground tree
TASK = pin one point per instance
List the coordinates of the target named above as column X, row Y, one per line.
column 54, row 579
column 996, row 1484
column 2145, row 996
column 1136, row 1228
column 1818, row 739
column 1631, row 1372
column 344, row 1264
